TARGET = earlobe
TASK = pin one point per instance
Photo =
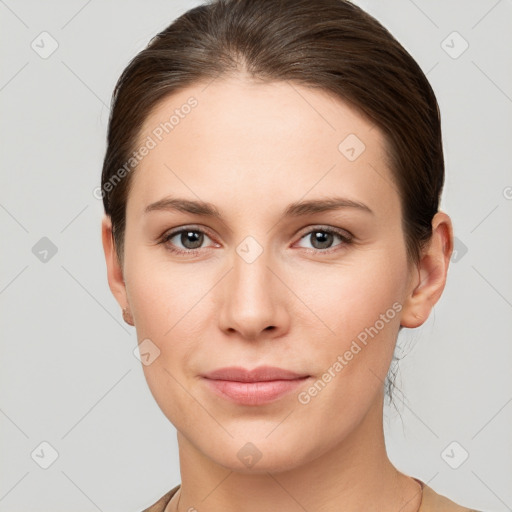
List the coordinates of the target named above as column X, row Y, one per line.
column 114, row 270
column 127, row 316
column 429, row 280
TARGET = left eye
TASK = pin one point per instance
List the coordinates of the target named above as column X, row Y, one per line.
column 323, row 238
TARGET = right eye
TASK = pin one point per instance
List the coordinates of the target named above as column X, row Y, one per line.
column 191, row 240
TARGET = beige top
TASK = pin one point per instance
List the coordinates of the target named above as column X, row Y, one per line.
column 431, row 501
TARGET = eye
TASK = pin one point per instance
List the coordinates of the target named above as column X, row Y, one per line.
column 322, row 238
column 191, row 240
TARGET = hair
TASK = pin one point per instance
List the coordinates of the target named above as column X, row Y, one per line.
column 330, row 45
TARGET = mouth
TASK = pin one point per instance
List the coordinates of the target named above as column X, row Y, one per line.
column 253, row 387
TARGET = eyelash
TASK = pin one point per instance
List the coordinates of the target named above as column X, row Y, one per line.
column 346, row 240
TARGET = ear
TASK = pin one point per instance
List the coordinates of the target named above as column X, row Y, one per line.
column 114, row 270
column 429, row 278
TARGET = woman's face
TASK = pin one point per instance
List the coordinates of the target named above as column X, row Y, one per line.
column 310, row 289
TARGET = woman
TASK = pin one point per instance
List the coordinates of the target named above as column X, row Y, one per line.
column 271, row 189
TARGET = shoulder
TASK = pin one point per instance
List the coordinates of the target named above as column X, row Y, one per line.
column 434, row 502
column 431, row 502
column 160, row 505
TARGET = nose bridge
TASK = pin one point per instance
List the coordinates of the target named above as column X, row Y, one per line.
column 251, row 301
column 251, row 279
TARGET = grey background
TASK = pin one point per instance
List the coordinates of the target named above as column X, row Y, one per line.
column 68, row 375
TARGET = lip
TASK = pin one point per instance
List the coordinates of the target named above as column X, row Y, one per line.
column 259, row 374
column 253, row 387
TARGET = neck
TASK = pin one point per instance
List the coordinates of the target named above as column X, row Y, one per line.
column 356, row 473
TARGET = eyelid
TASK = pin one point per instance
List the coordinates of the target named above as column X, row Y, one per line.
column 329, row 229
column 187, row 227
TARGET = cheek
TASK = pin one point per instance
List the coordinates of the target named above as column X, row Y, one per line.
column 169, row 306
column 351, row 297
column 160, row 292
column 360, row 303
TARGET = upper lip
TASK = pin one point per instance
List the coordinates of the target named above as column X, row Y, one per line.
column 259, row 374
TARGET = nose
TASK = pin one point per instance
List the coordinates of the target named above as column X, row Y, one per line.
column 253, row 300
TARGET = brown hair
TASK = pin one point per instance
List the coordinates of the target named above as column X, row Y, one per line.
column 332, row 45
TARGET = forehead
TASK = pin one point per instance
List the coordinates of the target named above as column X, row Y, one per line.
column 235, row 135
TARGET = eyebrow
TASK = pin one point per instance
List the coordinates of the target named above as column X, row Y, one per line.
column 297, row 209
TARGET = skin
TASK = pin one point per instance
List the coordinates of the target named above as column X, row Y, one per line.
column 251, row 149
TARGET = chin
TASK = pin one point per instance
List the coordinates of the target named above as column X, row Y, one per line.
column 261, row 456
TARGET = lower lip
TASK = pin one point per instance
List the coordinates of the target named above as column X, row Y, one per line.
column 254, row 393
